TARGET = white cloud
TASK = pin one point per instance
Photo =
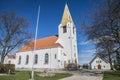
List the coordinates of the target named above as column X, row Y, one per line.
column 85, row 56
column 89, row 51
column 89, row 42
column 85, row 42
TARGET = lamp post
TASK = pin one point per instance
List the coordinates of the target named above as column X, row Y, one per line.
column 32, row 75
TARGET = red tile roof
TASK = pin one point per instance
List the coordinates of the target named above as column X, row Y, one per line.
column 11, row 56
column 41, row 43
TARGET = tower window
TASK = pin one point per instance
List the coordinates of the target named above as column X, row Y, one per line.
column 76, row 61
column 64, row 29
column 74, row 54
column 73, row 30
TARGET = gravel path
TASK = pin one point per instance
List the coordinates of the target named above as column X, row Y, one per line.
column 85, row 75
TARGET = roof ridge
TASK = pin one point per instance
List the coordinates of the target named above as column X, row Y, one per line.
column 45, row 37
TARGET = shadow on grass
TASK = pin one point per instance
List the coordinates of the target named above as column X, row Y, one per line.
column 29, row 73
column 111, row 75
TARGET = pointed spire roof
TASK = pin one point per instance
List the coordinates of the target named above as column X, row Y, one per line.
column 66, row 16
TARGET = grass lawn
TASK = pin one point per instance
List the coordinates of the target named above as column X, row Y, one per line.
column 111, row 75
column 25, row 75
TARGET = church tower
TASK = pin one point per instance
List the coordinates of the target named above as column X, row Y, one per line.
column 67, row 36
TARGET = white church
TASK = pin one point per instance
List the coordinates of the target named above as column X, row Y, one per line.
column 52, row 52
column 99, row 63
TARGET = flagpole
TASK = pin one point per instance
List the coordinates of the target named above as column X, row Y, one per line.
column 32, row 75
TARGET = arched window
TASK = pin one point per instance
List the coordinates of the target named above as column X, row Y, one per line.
column 27, row 59
column 19, row 61
column 75, row 61
column 55, row 56
column 73, row 30
column 36, row 59
column 46, row 58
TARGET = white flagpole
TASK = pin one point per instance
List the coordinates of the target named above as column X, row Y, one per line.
column 32, row 75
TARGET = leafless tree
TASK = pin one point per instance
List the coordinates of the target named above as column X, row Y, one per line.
column 13, row 32
column 105, row 28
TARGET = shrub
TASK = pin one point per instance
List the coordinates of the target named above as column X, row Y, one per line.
column 72, row 66
column 7, row 68
column 2, row 69
column 85, row 66
column 116, row 66
column 10, row 68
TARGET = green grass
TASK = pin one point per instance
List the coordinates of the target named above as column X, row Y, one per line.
column 111, row 75
column 25, row 75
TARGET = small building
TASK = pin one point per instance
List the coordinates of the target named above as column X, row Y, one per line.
column 9, row 59
column 99, row 63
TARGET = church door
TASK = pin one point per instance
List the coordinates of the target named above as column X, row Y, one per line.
column 99, row 66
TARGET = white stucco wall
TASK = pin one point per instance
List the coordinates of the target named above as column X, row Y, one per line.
column 95, row 63
column 52, row 64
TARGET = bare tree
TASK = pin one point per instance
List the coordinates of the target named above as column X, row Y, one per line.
column 13, row 32
column 105, row 28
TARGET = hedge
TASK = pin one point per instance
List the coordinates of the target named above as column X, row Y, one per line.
column 7, row 68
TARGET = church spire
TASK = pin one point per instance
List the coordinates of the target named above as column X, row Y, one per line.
column 66, row 16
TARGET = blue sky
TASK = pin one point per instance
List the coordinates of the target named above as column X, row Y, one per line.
column 51, row 12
